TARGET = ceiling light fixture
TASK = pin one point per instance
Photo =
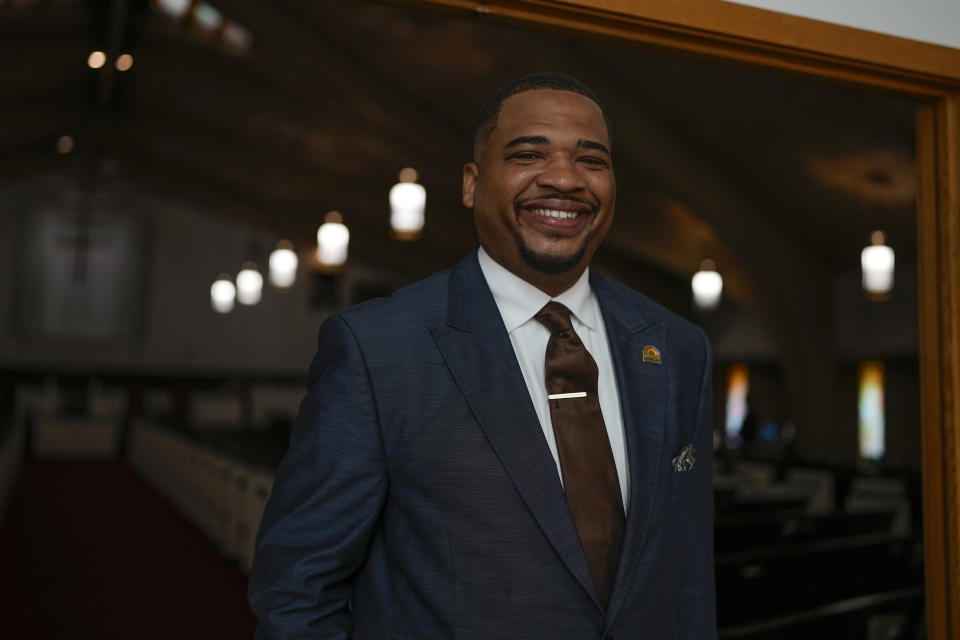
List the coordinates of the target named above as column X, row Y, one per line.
column 707, row 286
column 96, row 59
column 236, row 36
column 65, row 144
column 124, row 62
column 206, row 17
column 333, row 239
column 249, row 284
column 283, row 265
column 407, row 205
column 876, row 263
column 174, row 8
column 222, row 294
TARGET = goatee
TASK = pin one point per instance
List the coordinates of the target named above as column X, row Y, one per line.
column 546, row 263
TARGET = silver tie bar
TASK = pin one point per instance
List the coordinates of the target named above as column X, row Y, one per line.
column 575, row 394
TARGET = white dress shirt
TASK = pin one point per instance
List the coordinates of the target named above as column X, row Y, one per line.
column 518, row 302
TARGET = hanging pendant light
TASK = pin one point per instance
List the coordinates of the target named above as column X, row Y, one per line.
column 124, row 62
column 96, row 59
column 876, row 263
column 249, row 284
column 407, row 204
column 222, row 294
column 707, row 286
column 333, row 238
column 283, row 265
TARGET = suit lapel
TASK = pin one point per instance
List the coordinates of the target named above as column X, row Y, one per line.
column 642, row 388
column 477, row 350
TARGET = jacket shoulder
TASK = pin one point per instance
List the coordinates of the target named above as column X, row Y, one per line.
column 636, row 304
column 423, row 302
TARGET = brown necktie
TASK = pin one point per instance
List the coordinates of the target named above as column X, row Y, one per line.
column 586, row 461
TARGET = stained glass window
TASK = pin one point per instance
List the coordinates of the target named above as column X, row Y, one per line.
column 738, row 386
column 870, row 411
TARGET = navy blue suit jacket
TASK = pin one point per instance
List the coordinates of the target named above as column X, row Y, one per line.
column 419, row 500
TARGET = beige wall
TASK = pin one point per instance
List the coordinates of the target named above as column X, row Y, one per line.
column 934, row 21
column 186, row 252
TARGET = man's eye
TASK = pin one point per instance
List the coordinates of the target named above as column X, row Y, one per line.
column 526, row 155
column 597, row 162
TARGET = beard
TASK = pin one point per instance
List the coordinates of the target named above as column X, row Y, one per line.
column 548, row 263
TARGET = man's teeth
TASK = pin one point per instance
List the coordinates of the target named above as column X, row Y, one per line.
column 553, row 213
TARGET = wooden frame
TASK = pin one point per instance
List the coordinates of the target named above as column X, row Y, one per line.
column 925, row 72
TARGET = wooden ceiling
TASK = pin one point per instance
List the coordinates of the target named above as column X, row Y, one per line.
column 714, row 160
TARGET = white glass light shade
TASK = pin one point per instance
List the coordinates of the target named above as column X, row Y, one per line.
column 236, row 36
column 707, row 287
column 207, row 17
column 222, row 295
column 876, row 262
column 283, row 267
column 124, row 62
column 174, row 8
column 96, row 59
column 65, row 144
column 332, row 241
column 407, row 204
column 249, row 285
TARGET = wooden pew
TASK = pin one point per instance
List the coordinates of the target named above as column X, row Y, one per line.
column 779, row 581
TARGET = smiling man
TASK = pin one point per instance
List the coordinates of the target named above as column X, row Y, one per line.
column 512, row 448
column 541, row 185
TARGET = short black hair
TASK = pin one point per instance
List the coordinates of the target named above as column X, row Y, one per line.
column 490, row 111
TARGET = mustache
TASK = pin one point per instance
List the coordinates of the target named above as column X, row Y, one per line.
column 557, row 196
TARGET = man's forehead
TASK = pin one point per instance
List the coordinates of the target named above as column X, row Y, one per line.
column 544, row 101
column 550, row 107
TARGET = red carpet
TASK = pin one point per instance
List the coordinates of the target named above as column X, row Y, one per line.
column 87, row 550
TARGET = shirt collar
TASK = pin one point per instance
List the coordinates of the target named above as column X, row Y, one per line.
column 519, row 301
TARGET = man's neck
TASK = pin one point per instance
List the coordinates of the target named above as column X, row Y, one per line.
column 552, row 284
column 549, row 283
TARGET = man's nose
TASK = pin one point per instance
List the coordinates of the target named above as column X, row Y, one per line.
column 560, row 172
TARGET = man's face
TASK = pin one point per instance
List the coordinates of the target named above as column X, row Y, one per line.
column 543, row 189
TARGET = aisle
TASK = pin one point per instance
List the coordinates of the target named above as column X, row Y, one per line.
column 87, row 550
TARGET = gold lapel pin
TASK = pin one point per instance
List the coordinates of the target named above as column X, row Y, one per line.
column 651, row 355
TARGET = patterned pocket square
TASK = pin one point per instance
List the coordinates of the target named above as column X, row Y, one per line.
column 685, row 459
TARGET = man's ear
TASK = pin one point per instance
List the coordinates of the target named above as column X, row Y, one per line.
column 470, row 171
